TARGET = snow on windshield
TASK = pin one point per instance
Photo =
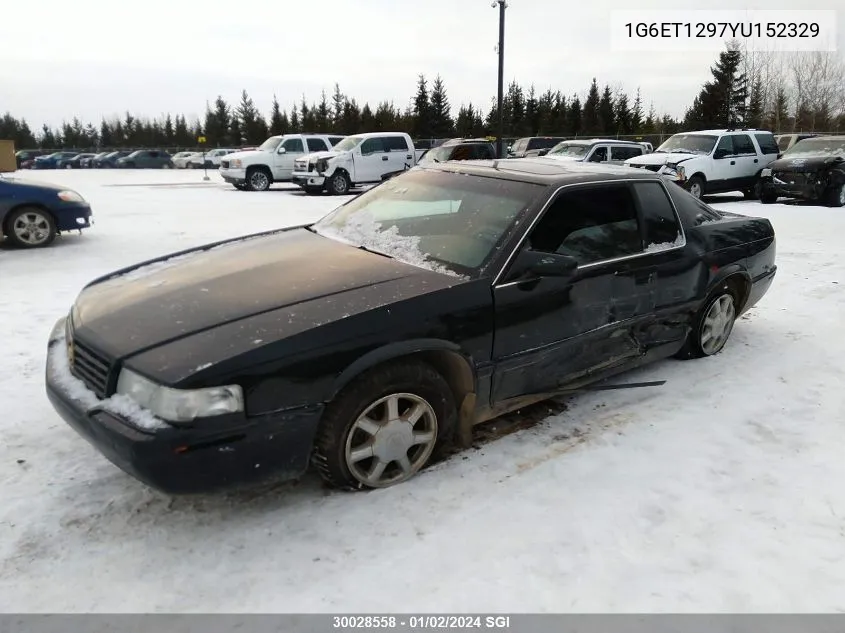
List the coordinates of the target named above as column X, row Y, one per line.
column 688, row 144
column 816, row 147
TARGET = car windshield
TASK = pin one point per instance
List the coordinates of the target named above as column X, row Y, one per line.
column 577, row 150
column 441, row 221
column 826, row 147
column 688, row 144
column 270, row 144
column 438, row 154
column 350, row 142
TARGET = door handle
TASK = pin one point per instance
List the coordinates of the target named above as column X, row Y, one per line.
column 384, row 157
column 755, row 160
column 409, row 157
column 733, row 162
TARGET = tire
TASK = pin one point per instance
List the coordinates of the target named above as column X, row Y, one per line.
column 754, row 193
column 768, row 198
column 696, row 186
column 68, row 166
column 239, row 186
column 258, row 179
column 696, row 345
column 835, row 196
column 338, row 184
column 167, row 166
column 30, row 227
column 312, row 191
column 344, row 430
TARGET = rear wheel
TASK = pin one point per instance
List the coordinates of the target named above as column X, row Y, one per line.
column 258, row 179
column 240, row 186
column 338, row 184
column 768, row 198
column 755, row 192
column 30, row 227
column 384, row 427
column 836, row 196
column 696, row 186
column 712, row 327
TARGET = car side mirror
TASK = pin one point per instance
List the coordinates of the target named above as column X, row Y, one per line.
column 550, row 264
column 282, row 150
column 595, row 158
column 720, row 154
column 542, row 152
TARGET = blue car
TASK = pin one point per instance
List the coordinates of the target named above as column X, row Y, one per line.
column 51, row 161
column 32, row 213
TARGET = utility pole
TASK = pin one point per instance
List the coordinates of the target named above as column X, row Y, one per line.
column 502, row 4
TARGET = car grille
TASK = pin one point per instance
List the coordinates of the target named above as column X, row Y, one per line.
column 795, row 178
column 91, row 368
column 300, row 165
column 224, row 164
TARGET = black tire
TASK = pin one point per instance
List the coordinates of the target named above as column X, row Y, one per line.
column 43, row 227
column 695, row 186
column 240, row 186
column 258, row 179
column 338, row 184
column 753, row 193
column 693, row 346
column 768, row 198
column 313, row 191
column 835, row 196
column 337, row 427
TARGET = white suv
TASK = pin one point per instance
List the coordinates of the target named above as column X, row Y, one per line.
column 210, row 158
column 256, row 170
column 713, row 161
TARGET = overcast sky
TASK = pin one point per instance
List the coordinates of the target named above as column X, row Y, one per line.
column 94, row 58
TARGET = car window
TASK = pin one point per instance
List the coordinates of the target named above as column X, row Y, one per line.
column 599, row 155
column 372, row 145
column 743, row 145
column 542, row 143
column 591, row 224
column 659, row 220
column 316, row 145
column 334, row 140
column 726, row 143
column 624, row 152
column 462, row 152
column 293, row 145
column 783, row 143
column 483, row 152
column 693, row 211
column 395, row 144
column 767, row 142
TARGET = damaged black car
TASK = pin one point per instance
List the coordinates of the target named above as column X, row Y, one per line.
column 367, row 343
column 812, row 169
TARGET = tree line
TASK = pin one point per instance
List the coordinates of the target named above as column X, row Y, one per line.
column 781, row 92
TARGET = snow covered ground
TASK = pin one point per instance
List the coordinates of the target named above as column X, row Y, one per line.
column 721, row 491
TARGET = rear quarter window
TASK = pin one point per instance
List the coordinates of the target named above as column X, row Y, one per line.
column 767, row 143
column 692, row 211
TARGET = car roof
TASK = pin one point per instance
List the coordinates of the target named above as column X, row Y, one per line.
column 544, row 171
column 469, row 141
column 372, row 134
column 836, row 137
column 591, row 141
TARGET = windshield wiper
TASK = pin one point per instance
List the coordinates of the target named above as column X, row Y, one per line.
column 375, row 252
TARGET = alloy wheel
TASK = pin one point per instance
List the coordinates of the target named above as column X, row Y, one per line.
column 32, row 228
column 718, row 324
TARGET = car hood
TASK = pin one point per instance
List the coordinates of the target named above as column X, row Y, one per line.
column 805, row 162
column 34, row 184
column 318, row 155
column 566, row 158
column 245, row 155
column 661, row 158
column 165, row 300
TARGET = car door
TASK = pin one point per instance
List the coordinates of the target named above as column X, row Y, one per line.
column 553, row 330
column 723, row 164
column 598, row 154
column 370, row 164
column 283, row 161
column 620, row 153
column 768, row 148
column 400, row 154
column 745, row 161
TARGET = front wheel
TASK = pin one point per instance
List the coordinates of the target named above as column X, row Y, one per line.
column 836, row 196
column 258, row 179
column 384, row 427
column 696, row 186
column 30, row 227
column 338, row 184
column 712, row 327
column 166, row 166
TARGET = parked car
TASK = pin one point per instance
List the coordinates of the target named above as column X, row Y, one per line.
column 51, row 160
column 532, row 145
column 210, row 159
column 357, row 160
column 369, row 341
column 272, row 161
column 33, row 213
column 713, row 161
column 180, row 159
column 596, row 151
column 109, row 161
column 146, row 159
column 460, row 149
column 26, row 155
column 88, row 163
column 812, row 169
column 785, row 141
column 75, row 162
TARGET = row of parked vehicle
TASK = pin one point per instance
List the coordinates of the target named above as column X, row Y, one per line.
column 130, row 159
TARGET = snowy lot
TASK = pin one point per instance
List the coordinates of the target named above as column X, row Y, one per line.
column 722, row 491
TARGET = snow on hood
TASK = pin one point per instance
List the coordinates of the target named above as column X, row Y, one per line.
column 250, row 153
column 318, row 155
column 562, row 157
column 660, row 158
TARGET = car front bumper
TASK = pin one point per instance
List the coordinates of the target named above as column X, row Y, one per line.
column 233, row 176
column 73, row 216
column 798, row 188
column 308, row 179
column 183, row 460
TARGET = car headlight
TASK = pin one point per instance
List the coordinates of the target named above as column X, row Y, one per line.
column 322, row 165
column 236, row 163
column 766, row 173
column 70, row 196
column 180, row 405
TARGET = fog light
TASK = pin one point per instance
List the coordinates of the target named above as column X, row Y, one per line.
column 80, row 221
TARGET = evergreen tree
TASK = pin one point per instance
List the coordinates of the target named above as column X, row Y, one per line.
column 323, row 115
column 778, row 117
column 623, row 115
column 591, row 123
column 637, row 114
column 441, row 117
column 253, row 126
column 385, row 118
column 367, row 117
column 755, row 114
column 181, row 134
column 169, row 132
column 276, row 125
column 574, row 119
column 338, row 101
column 532, row 112
column 295, row 124
column 107, row 139
column 607, row 118
column 422, row 111
column 722, row 101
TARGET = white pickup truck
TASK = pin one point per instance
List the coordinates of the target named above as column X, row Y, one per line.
column 256, row 170
column 356, row 160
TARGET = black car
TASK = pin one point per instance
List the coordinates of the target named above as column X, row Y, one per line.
column 369, row 341
column 812, row 169
column 460, row 149
column 109, row 161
